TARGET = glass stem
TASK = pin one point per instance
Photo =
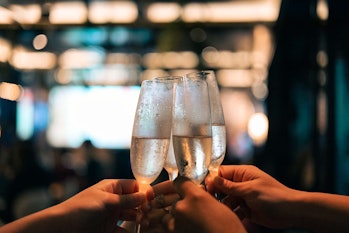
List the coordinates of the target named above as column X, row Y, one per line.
column 137, row 228
column 138, row 220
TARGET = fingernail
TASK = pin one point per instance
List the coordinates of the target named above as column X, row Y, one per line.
column 150, row 194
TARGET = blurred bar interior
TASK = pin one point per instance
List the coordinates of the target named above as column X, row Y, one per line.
column 70, row 73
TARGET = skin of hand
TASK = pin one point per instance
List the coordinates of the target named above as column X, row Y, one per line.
column 267, row 202
column 199, row 211
column 95, row 209
column 261, row 198
column 160, row 198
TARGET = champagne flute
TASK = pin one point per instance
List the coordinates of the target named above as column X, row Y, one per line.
column 170, row 164
column 151, row 132
column 191, row 127
column 219, row 139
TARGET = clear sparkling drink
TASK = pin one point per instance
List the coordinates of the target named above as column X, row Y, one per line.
column 170, row 162
column 148, row 166
column 218, row 147
column 193, row 156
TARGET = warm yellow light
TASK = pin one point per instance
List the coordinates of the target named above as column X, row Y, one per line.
column 263, row 48
column 226, row 59
column 26, row 14
column 322, row 10
column 238, row 108
column 163, row 12
column 123, row 58
column 193, row 12
column 99, row 12
column 189, row 60
column 5, row 16
column 80, row 58
column 40, row 41
column 151, row 73
column 64, row 76
column 113, row 12
column 322, row 58
column 27, row 60
column 258, row 126
column 232, row 11
column 5, row 50
column 68, row 13
column 10, row 91
column 243, row 11
column 260, row 90
column 171, row 60
column 235, row 78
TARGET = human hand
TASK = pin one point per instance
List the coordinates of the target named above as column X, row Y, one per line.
column 260, row 197
column 198, row 211
column 160, row 198
column 100, row 207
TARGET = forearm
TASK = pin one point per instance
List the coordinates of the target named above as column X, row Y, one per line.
column 321, row 212
column 51, row 220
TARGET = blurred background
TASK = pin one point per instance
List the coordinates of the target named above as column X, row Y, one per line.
column 70, row 74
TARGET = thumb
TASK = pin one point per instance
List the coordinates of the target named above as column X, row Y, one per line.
column 229, row 187
column 235, row 192
column 183, row 185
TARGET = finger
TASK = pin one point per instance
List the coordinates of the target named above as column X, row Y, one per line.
column 229, row 172
column 209, row 184
column 118, row 186
column 173, row 209
column 128, row 186
column 157, row 214
column 132, row 200
column 165, row 187
column 161, row 200
column 239, row 173
column 150, row 194
column 184, row 185
column 168, row 222
column 146, row 207
column 154, row 217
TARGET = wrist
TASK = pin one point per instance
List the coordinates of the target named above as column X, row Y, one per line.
column 51, row 218
column 55, row 219
column 298, row 210
column 306, row 211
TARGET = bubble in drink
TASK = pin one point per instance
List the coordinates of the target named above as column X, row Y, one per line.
column 148, row 166
column 170, row 164
column 193, row 156
column 218, row 146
